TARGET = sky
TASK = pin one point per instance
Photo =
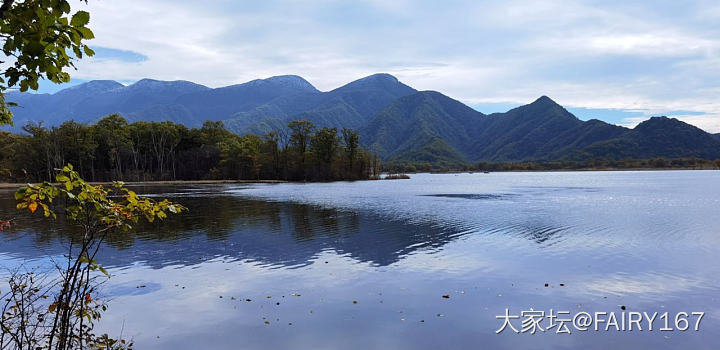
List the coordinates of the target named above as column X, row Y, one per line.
column 618, row 61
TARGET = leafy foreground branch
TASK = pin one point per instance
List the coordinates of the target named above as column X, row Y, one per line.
column 41, row 311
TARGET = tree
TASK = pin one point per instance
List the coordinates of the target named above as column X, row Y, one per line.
column 351, row 141
column 324, row 145
column 240, row 157
column 300, row 132
column 164, row 138
column 271, row 148
column 65, row 320
column 113, row 141
column 39, row 36
column 114, row 149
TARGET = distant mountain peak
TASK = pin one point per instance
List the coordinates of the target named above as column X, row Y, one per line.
column 658, row 120
column 661, row 122
column 293, row 81
column 544, row 100
column 91, row 86
column 544, row 103
column 381, row 77
column 151, row 83
column 382, row 81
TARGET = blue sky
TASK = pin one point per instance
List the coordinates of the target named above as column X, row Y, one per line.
column 619, row 61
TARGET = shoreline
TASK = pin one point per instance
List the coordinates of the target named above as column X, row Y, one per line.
column 560, row 170
column 12, row 185
column 169, row 182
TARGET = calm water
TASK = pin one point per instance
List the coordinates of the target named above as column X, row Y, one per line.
column 365, row 265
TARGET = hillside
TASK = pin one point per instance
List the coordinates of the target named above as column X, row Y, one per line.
column 656, row 137
column 427, row 126
column 394, row 120
column 351, row 106
column 430, row 127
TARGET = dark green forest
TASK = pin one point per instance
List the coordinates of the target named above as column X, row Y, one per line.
column 113, row 149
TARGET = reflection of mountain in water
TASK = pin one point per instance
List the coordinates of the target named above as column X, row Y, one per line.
column 274, row 233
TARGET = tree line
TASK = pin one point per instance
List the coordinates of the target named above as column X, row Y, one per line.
column 590, row 164
column 113, row 149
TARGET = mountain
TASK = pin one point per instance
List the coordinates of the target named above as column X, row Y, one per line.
column 424, row 127
column 153, row 100
column 351, row 105
column 131, row 101
column 222, row 103
column 431, row 127
column 256, row 106
column 579, row 137
column 90, row 101
column 394, row 120
column 521, row 132
column 55, row 109
column 656, row 137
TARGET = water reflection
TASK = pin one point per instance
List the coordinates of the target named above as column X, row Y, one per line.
column 648, row 241
column 480, row 196
column 270, row 233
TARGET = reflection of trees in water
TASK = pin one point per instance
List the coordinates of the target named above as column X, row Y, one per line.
column 275, row 233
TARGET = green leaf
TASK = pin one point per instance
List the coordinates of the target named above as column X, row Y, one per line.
column 80, row 19
column 64, row 7
column 102, row 269
column 86, row 33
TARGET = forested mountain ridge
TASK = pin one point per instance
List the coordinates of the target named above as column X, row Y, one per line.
column 430, row 128
column 350, row 105
column 397, row 122
column 427, row 126
column 656, row 137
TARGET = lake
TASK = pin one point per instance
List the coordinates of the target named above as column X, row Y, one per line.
column 425, row 263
